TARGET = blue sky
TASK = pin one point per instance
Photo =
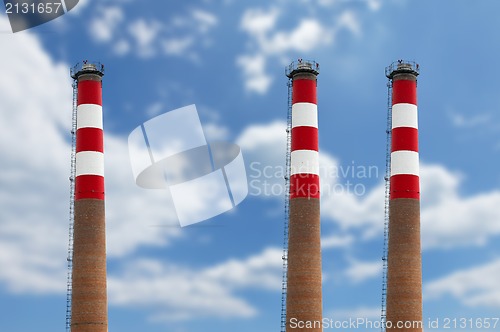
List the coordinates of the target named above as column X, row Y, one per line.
column 228, row 58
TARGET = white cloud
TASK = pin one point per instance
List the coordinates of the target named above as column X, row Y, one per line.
column 34, row 196
column 484, row 126
column 354, row 313
column 177, row 46
column 359, row 271
column 34, row 200
column 326, row 3
column 135, row 217
column 264, row 146
column 154, row 109
column 461, row 121
column 351, row 212
column 476, row 286
column 269, row 42
column 349, row 21
column 254, row 71
column 34, row 191
column 179, row 292
column 449, row 219
column 186, row 293
column 34, row 186
column 103, row 27
column 177, row 36
column 145, row 33
column 374, row 5
column 258, row 22
column 260, row 25
column 308, row 35
column 265, row 137
column 262, row 271
column 204, row 19
column 336, row 241
column 122, row 47
column 438, row 184
column 461, row 221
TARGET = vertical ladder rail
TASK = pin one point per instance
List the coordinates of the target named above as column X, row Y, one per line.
column 69, row 288
column 387, row 178
column 287, row 208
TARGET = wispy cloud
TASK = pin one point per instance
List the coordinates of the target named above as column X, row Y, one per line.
column 182, row 35
column 353, row 313
column 34, row 186
column 104, row 26
column 359, row 271
column 337, row 241
column 177, row 293
column 461, row 121
column 34, row 209
column 254, row 71
column 205, row 20
column 475, row 287
column 258, row 22
column 145, row 34
column 449, row 218
column 270, row 42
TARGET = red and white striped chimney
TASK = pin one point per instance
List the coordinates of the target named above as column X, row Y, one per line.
column 89, row 293
column 89, row 142
column 404, row 274
column 405, row 180
column 304, row 180
column 304, row 288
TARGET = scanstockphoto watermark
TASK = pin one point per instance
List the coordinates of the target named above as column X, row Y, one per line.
column 352, row 323
column 26, row 14
column 454, row 323
column 269, row 180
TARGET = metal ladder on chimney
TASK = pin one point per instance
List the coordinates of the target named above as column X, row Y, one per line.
column 287, row 207
column 69, row 288
column 387, row 179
